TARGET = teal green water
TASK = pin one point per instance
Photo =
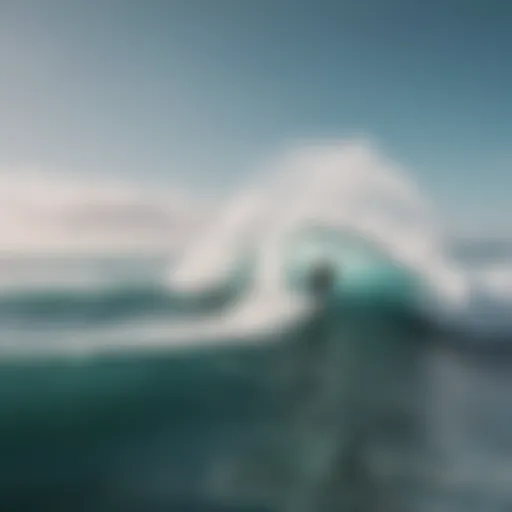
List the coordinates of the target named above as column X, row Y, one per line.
column 102, row 433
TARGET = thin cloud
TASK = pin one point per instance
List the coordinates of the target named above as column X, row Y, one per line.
column 44, row 212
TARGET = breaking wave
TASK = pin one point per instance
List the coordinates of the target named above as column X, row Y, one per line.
column 351, row 191
column 341, row 202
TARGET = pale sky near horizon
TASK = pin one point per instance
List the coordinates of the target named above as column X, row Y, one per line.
column 198, row 92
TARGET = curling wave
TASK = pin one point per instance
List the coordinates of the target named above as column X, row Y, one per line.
column 365, row 202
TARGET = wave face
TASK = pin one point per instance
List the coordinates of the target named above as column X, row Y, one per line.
column 229, row 380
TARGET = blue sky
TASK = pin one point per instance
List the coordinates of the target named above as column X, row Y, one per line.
column 200, row 91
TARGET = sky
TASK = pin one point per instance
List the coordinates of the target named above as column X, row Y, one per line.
column 201, row 92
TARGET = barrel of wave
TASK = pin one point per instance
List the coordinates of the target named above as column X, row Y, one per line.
column 348, row 270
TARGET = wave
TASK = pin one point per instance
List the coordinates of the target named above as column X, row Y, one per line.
column 85, row 303
column 350, row 189
column 341, row 202
column 331, row 385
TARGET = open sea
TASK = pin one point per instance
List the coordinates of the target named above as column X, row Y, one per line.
column 138, row 383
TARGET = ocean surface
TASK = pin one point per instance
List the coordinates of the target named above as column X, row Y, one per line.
column 219, row 380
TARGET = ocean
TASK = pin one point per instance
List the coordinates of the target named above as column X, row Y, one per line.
column 221, row 380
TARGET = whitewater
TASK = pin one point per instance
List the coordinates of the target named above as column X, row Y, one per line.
column 217, row 380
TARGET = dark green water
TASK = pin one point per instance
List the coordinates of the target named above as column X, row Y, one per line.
column 287, row 426
column 122, row 433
